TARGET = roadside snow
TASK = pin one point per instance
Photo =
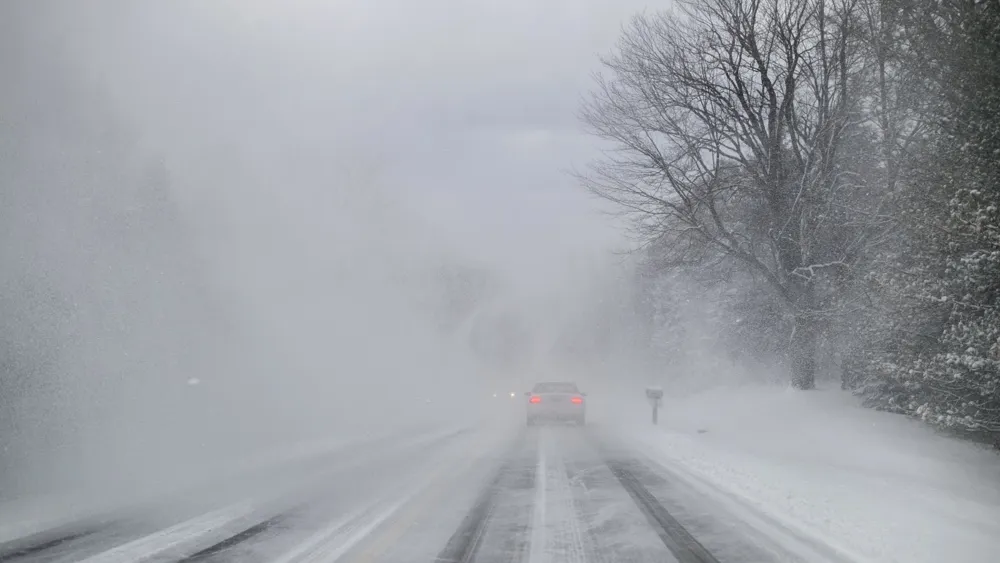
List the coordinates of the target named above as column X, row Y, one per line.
column 871, row 485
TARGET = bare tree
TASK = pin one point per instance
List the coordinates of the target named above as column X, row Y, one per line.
column 730, row 122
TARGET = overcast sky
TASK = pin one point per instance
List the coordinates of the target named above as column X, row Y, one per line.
column 463, row 110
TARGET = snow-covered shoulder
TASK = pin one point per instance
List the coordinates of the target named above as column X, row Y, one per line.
column 871, row 485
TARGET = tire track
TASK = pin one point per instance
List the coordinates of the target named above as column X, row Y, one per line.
column 337, row 538
column 496, row 527
column 46, row 541
column 175, row 537
column 613, row 528
column 577, row 474
column 467, row 539
column 555, row 516
column 675, row 537
column 138, row 523
column 233, row 541
column 511, row 475
column 770, row 534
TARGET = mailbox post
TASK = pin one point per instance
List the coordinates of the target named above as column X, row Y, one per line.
column 655, row 397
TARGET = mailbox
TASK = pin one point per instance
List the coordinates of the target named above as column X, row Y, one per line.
column 655, row 396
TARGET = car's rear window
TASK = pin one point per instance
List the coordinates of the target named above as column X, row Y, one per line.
column 555, row 388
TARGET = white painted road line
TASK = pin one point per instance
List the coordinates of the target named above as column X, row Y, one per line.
column 337, row 550
column 538, row 523
column 332, row 542
column 181, row 535
column 339, row 538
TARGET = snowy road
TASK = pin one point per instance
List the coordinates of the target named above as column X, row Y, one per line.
column 549, row 494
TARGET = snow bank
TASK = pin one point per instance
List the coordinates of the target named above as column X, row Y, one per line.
column 874, row 486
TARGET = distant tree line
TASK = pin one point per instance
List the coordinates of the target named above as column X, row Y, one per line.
column 104, row 308
column 826, row 172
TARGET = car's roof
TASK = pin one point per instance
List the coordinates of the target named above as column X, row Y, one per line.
column 555, row 387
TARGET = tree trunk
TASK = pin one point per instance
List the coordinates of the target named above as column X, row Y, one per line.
column 803, row 351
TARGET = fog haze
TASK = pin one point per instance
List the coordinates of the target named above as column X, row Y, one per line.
column 279, row 280
column 314, row 165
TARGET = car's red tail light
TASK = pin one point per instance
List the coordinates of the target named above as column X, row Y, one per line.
column 535, row 399
column 577, row 400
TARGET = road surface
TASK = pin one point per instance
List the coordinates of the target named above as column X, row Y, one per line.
column 498, row 494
